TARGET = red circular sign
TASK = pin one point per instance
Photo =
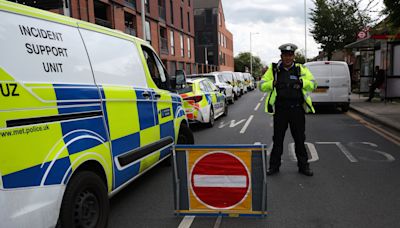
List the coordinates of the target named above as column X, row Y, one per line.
column 220, row 180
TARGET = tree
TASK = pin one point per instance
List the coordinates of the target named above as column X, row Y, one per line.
column 392, row 9
column 337, row 22
column 299, row 57
column 242, row 63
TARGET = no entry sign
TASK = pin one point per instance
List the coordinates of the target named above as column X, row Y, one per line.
column 220, row 180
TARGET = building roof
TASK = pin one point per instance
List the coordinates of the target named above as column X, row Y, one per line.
column 204, row 4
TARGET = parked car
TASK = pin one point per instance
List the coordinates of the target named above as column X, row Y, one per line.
column 220, row 82
column 231, row 79
column 241, row 82
column 333, row 79
column 249, row 81
column 204, row 103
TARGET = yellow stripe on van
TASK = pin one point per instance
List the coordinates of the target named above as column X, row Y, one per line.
column 120, row 123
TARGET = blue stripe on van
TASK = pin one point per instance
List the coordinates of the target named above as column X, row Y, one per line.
column 120, row 146
column 58, row 171
column 25, row 178
column 145, row 110
column 84, row 127
column 166, row 129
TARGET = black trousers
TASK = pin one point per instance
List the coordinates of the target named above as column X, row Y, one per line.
column 295, row 118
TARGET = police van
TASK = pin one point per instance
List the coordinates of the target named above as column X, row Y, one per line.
column 334, row 88
column 84, row 110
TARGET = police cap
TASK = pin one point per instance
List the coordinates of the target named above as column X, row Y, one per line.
column 288, row 47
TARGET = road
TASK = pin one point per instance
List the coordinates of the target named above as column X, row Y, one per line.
column 355, row 184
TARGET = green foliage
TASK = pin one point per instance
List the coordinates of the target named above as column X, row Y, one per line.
column 336, row 23
column 299, row 57
column 392, row 9
column 242, row 62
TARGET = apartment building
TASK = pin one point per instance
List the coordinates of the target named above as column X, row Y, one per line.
column 213, row 41
column 169, row 23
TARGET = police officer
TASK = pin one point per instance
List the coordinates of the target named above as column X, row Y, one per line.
column 287, row 84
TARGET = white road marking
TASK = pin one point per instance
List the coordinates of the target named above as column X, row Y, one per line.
column 389, row 157
column 232, row 123
column 311, row 148
column 342, row 148
column 186, row 222
column 262, row 98
column 246, row 125
column 221, row 181
column 258, row 105
column 218, row 222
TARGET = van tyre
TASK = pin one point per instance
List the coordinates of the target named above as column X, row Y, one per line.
column 225, row 110
column 185, row 135
column 345, row 107
column 85, row 203
column 211, row 121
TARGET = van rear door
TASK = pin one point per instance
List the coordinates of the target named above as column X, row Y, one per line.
column 340, row 82
column 322, row 74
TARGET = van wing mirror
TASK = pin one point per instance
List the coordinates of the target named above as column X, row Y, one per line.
column 179, row 80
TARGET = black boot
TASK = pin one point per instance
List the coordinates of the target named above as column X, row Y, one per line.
column 272, row 171
column 306, row 171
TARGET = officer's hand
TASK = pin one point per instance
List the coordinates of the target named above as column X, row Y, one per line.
column 274, row 82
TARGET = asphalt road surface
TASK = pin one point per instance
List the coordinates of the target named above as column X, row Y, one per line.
column 356, row 180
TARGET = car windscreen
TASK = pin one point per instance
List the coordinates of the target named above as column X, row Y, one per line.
column 227, row 76
column 210, row 77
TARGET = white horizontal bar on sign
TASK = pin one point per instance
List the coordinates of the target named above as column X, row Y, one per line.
column 222, row 181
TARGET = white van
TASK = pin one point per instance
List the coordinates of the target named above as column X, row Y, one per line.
column 333, row 78
column 84, row 110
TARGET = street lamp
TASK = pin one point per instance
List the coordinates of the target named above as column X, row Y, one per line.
column 143, row 19
column 251, row 55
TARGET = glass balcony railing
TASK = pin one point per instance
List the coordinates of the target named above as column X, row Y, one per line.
column 130, row 31
column 164, row 45
column 131, row 3
column 103, row 22
column 162, row 12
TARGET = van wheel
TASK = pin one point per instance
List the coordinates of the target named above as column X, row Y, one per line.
column 212, row 120
column 85, row 202
column 345, row 107
column 185, row 135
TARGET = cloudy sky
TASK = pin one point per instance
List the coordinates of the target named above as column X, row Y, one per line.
column 276, row 22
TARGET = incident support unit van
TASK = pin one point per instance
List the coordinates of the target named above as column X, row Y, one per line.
column 84, row 110
column 334, row 88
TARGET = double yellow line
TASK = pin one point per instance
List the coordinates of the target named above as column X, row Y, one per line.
column 384, row 133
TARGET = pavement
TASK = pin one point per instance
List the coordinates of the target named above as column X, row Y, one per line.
column 386, row 113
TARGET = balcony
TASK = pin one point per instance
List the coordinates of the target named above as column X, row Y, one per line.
column 164, row 45
column 162, row 13
column 131, row 3
column 130, row 31
column 104, row 23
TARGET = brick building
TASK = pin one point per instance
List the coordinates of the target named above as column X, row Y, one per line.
column 169, row 23
column 214, row 42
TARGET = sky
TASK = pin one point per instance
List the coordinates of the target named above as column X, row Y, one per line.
column 276, row 21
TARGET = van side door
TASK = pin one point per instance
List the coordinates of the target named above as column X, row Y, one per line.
column 127, row 101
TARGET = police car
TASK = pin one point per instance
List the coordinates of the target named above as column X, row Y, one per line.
column 204, row 103
column 217, row 79
column 84, row 110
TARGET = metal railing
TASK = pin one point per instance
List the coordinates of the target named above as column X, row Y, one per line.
column 104, row 23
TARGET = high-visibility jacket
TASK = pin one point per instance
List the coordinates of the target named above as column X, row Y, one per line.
column 267, row 85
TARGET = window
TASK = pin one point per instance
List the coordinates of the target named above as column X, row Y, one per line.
column 156, row 68
column 172, row 42
column 147, row 5
column 130, row 24
column 219, row 19
column 171, row 9
column 188, row 68
column 181, row 18
column 188, row 21
column 148, row 32
column 189, row 2
column 203, row 87
column 208, row 17
column 219, row 38
column 102, row 14
column 182, row 48
column 163, row 41
column 188, row 47
column 161, row 10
